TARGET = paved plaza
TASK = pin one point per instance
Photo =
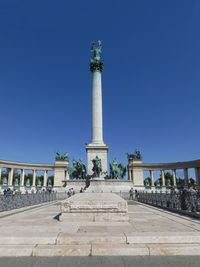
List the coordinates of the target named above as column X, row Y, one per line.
column 149, row 231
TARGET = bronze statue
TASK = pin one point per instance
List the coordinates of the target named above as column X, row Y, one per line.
column 65, row 156
column 97, row 167
column 117, row 170
column 136, row 156
column 78, row 170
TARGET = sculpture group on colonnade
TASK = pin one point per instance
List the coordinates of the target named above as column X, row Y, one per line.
column 136, row 156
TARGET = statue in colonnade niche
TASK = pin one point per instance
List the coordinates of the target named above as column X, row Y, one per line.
column 16, row 183
column 65, row 156
column 158, row 183
column 117, row 170
column 147, row 183
column 39, row 183
column 136, row 156
column 28, row 182
column 168, row 182
column 78, row 170
column 5, row 181
column 49, row 182
column 97, row 167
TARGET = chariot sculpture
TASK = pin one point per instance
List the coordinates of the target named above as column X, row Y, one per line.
column 136, row 156
column 65, row 156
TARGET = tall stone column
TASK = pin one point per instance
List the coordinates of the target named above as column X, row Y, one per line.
column 22, row 177
column 186, row 176
column 163, row 177
column 174, row 177
column 97, row 146
column 34, row 177
column 10, row 177
column 0, row 173
column 152, row 177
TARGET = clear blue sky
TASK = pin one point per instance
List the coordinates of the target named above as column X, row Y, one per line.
column 151, row 81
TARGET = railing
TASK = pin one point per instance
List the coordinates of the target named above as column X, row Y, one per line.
column 186, row 202
column 16, row 201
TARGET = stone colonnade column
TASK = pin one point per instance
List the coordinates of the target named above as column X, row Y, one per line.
column 186, row 176
column 34, row 177
column 174, row 177
column 163, row 177
column 152, row 177
column 22, row 177
column 45, row 178
column 10, row 177
column 197, row 175
column 0, row 173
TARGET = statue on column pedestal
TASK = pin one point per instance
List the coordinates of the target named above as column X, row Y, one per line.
column 97, row 167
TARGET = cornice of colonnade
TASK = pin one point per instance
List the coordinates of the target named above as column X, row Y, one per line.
column 164, row 166
column 26, row 166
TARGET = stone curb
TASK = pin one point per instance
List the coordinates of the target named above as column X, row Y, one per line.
column 100, row 250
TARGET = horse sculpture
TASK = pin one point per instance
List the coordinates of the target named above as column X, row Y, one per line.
column 78, row 170
column 65, row 156
column 117, row 170
column 136, row 156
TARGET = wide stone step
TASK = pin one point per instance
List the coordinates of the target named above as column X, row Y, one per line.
column 89, row 238
column 162, row 237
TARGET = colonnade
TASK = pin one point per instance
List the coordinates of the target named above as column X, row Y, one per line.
column 22, row 176
column 59, row 172
column 136, row 169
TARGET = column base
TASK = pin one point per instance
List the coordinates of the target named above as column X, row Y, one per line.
column 100, row 150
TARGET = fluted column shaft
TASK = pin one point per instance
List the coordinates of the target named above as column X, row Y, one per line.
column 34, row 177
column 22, row 177
column 45, row 178
column 97, row 121
column 197, row 175
column 163, row 177
column 152, row 177
column 174, row 177
column 10, row 177
column 186, row 176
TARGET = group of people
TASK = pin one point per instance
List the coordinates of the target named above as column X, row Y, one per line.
column 133, row 193
column 71, row 191
column 9, row 192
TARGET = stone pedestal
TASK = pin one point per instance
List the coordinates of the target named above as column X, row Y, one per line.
column 97, row 150
column 60, row 173
column 94, row 207
column 135, row 172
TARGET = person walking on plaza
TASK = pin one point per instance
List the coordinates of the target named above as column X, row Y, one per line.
column 131, row 193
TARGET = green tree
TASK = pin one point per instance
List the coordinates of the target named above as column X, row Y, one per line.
column 28, row 176
column 147, row 181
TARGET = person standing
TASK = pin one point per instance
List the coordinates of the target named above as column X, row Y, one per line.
column 131, row 193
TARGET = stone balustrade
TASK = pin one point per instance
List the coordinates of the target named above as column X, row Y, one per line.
column 59, row 172
column 136, row 169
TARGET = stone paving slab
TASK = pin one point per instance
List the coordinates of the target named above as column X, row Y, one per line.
column 174, row 249
column 62, row 250
column 28, row 239
column 106, row 249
